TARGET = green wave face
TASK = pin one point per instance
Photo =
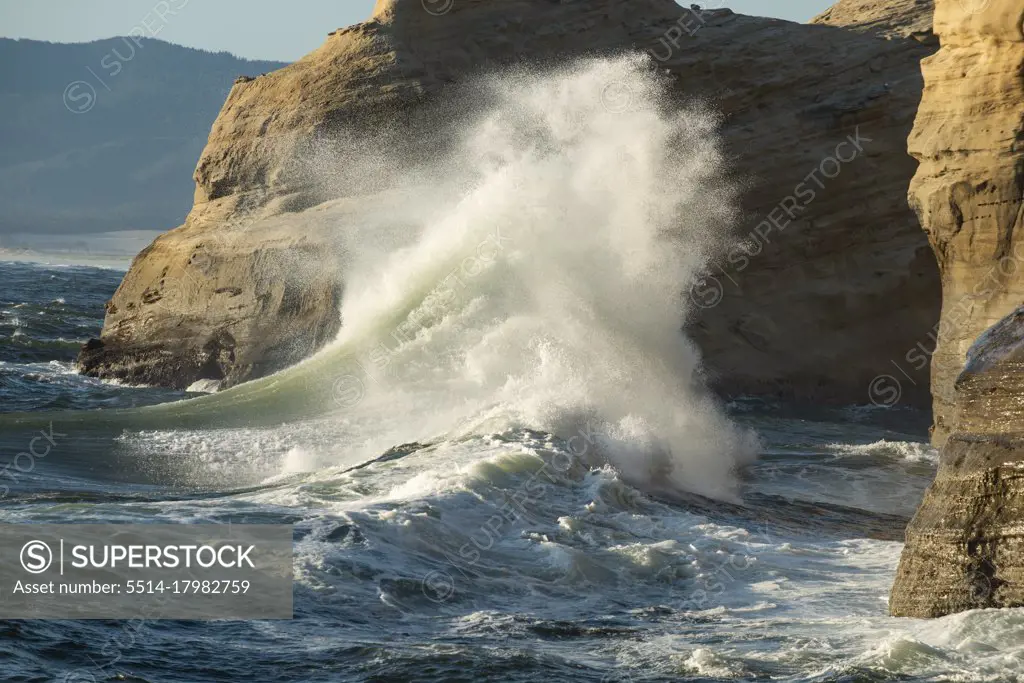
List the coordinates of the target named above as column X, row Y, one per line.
column 531, row 277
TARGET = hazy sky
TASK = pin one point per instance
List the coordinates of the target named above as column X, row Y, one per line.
column 258, row 29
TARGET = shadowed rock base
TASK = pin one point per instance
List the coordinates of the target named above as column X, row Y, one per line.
column 965, row 545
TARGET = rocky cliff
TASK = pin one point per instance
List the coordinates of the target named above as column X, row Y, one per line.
column 833, row 281
column 888, row 18
column 965, row 545
column 969, row 186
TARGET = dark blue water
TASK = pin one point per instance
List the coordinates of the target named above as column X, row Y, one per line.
column 592, row 580
column 46, row 314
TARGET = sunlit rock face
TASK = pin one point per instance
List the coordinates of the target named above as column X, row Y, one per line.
column 832, row 280
column 888, row 18
column 965, row 545
column 968, row 189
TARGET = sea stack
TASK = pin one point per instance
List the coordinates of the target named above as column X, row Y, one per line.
column 968, row 188
column 965, row 545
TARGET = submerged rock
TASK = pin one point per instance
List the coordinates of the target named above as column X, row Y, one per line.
column 834, row 281
column 965, row 545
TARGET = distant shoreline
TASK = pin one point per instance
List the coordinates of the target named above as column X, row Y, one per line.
column 44, row 259
column 104, row 250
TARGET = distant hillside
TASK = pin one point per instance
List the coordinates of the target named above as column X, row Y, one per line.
column 104, row 136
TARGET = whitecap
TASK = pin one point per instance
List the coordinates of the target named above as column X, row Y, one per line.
column 899, row 450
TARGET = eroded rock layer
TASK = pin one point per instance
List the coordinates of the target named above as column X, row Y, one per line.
column 965, row 545
column 834, row 283
column 890, row 18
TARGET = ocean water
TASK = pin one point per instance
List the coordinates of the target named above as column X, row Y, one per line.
column 46, row 313
column 505, row 468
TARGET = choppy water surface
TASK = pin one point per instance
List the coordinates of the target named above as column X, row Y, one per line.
column 505, row 556
column 509, row 557
column 518, row 478
column 46, row 314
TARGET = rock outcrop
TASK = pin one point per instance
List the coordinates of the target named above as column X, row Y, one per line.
column 968, row 190
column 965, row 545
column 888, row 18
column 248, row 302
column 834, row 283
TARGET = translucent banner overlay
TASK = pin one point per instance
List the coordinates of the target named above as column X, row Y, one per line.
column 145, row 571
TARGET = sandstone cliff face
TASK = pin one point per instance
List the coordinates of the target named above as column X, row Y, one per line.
column 965, row 545
column 970, row 182
column 834, row 281
column 889, row 18
column 244, row 304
